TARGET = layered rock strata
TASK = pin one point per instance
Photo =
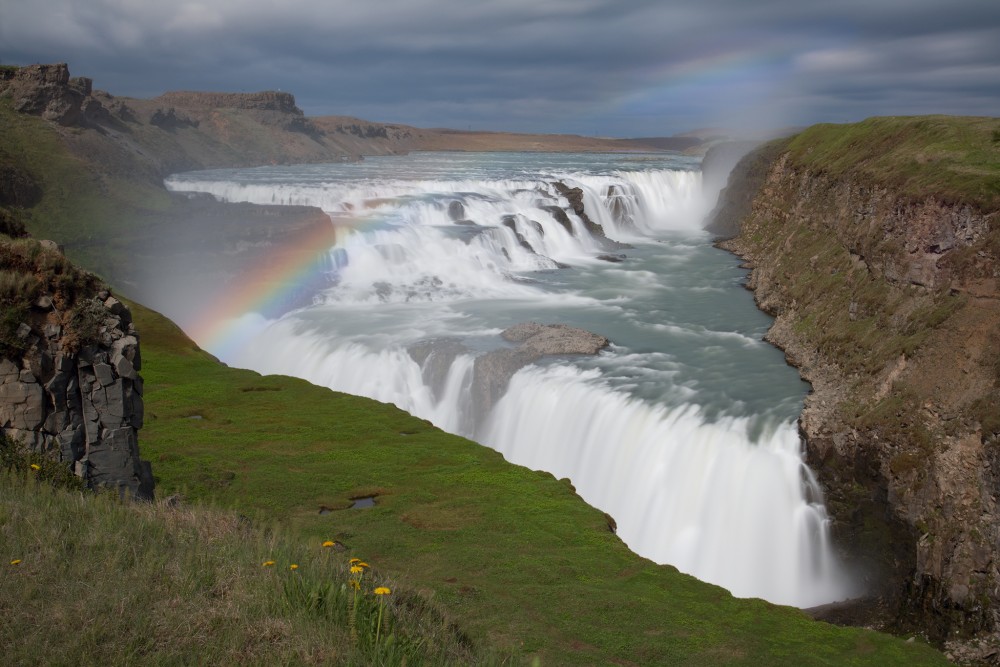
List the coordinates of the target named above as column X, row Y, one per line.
column 81, row 404
column 889, row 307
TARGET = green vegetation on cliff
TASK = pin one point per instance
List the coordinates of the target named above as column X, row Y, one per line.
column 954, row 159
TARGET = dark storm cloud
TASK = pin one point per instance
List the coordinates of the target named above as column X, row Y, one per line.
column 591, row 66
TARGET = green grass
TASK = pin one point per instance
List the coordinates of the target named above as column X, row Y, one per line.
column 513, row 556
column 89, row 580
column 955, row 159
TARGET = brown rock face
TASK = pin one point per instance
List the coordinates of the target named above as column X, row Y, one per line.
column 889, row 306
column 45, row 90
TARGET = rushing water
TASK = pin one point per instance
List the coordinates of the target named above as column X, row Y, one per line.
column 684, row 430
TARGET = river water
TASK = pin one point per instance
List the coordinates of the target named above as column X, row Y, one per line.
column 683, row 430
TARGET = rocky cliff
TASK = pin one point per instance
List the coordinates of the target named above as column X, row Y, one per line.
column 69, row 362
column 876, row 248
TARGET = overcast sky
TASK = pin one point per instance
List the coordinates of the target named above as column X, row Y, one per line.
column 598, row 67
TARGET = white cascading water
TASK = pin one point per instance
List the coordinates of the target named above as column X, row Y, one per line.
column 704, row 488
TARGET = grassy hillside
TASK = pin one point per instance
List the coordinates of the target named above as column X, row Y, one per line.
column 159, row 584
column 86, row 209
column 514, row 557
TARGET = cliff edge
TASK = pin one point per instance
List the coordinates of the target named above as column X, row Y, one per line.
column 876, row 248
column 69, row 368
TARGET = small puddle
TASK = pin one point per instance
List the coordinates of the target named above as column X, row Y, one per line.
column 359, row 503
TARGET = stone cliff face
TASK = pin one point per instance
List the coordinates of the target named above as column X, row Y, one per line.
column 49, row 92
column 69, row 381
column 268, row 100
column 889, row 306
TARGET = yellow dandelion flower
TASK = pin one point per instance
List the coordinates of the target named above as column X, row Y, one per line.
column 363, row 564
column 267, row 563
column 382, row 590
column 354, row 561
column 354, row 584
column 293, row 566
column 36, row 467
column 328, row 544
column 16, row 561
column 356, row 569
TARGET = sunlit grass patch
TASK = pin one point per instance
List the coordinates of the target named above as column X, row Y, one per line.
column 160, row 583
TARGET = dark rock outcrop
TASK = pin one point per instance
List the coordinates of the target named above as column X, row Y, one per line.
column 73, row 391
column 49, row 92
column 575, row 198
column 46, row 91
column 169, row 119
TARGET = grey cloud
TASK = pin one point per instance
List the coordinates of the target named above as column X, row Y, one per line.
column 626, row 68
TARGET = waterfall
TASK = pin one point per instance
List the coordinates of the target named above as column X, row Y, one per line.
column 428, row 271
column 698, row 495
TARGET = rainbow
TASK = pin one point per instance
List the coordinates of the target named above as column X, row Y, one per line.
column 301, row 261
column 737, row 73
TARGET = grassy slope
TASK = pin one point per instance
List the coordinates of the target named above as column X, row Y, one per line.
column 514, row 556
column 156, row 584
column 81, row 207
column 951, row 158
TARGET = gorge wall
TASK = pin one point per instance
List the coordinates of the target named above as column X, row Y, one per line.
column 885, row 294
column 69, row 362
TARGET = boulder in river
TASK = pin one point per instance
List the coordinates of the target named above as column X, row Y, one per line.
column 493, row 370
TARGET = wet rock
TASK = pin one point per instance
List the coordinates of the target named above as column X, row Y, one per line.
column 511, row 223
column 435, row 358
column 575, row 198
column 492, row 371
column 612, row 258
column 456, row 211
column 559, row 215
